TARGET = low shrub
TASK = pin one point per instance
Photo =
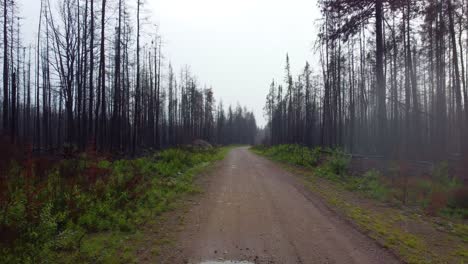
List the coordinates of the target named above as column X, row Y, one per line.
column 437, row 202
column 293, row 154
column 457, row 203
column 437, row 193
column 335, row 166
column 372, row 185
column 338, row 163
column 50, row 209
column 460, row 197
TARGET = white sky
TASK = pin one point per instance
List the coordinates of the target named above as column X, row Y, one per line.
column 235, row 46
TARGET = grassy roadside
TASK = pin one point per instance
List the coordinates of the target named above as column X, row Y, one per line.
column 92, row 210
column 407, row 231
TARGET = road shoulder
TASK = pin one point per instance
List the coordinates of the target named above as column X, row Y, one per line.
column 408, row 235
column 160, row 240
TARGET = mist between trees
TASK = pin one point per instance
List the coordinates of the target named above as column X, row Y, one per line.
column 97, row 77
column 391, row 81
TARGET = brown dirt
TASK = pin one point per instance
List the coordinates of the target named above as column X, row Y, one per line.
column 254, row 210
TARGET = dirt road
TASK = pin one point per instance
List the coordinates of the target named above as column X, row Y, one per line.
column 255, row 211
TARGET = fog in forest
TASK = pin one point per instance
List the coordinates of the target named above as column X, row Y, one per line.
column 138, row 131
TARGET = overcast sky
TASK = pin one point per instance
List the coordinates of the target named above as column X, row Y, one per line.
column 235, row 46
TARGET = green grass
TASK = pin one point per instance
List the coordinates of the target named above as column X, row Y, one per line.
column 87, row 209
column 379, row 226
column 440, row 195
column 328, row 164
column 293, row 154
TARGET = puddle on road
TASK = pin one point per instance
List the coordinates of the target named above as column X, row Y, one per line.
column 226, row 262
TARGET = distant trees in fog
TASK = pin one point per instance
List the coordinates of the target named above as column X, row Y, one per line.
column 391, row 81
column 97, row 76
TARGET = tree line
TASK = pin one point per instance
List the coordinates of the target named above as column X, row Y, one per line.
column 391, row 81
column 96, row 76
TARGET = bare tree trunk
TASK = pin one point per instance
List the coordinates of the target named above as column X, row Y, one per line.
column 28, row 101
column 13, row 107
column 158, row 94
column 137, row 90
column 84, row 114
column 102, row 79
column 115, row 137
column 45, row 88
column 5, row 67
column 23, row 111
column 78, row 77
column 38, row 123
column 381, row 109
column 457, row 86
column 91, row 130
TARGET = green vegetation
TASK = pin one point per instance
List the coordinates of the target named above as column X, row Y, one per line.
column 438, row 195
column 333, row 166
column 83, row 209
column 404, row 231
column 383, row 227
column 293, row 154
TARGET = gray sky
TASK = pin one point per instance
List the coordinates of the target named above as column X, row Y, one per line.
column 235, row 46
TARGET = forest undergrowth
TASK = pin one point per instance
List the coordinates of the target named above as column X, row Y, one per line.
column 421, row 219
column 81, row 208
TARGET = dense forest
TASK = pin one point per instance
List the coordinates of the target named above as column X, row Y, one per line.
column 391, row 81
column 99, row 133
column 96, row 77
column 112, row 153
